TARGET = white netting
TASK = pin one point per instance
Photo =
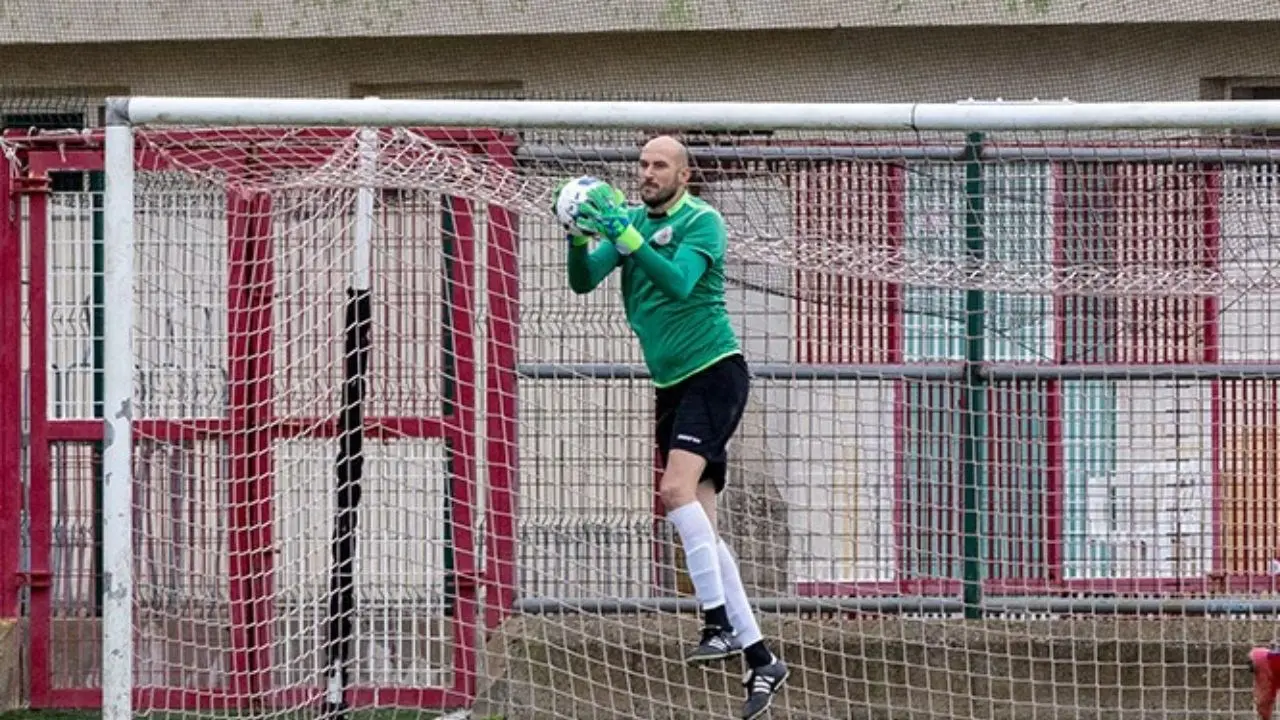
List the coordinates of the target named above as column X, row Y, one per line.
column 851, row 472
column 763, row 253
column 241, row 307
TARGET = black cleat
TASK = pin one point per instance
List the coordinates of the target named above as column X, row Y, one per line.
column 716, row 645
column 762, row 684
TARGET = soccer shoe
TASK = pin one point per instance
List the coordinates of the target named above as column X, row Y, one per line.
column 716, row 644
column 1266, row 669
column 762, row 684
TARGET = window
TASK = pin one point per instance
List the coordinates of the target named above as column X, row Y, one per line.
column 455, row 89
column 1245, row 88
column 31, row 121
column 44, row 121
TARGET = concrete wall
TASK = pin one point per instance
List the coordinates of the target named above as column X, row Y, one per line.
column 849, row 464
column 61, row 21
column 882, row 667
column 1168, row 62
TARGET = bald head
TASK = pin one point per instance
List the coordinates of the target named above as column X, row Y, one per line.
column 667, row 147
column 664, row 172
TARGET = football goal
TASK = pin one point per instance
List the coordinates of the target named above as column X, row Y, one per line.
column 1010, row 449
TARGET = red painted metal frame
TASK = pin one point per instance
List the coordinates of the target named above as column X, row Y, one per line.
column 250, row 285
column 462, row 425
column 251, row 428
column 499, row 576
column 39, row 496
column 1251, row 405
column 500, row 401
column 196, row 429
column 897, row 227
column 1055, row 458
column 1054, row 581
column 1170, row 587
column 10, row 393
column 1210, row 343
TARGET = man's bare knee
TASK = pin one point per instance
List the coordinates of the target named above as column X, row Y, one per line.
column 679, row 485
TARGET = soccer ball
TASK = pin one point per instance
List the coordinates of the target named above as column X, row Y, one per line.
column 573, row 194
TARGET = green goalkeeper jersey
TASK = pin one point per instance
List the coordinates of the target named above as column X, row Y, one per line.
column 679, row 335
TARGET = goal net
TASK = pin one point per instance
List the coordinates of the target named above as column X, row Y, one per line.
column 1013, row 390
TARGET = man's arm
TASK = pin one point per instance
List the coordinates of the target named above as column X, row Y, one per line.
column 589, row 268
column 677, row 276
column 703, row 243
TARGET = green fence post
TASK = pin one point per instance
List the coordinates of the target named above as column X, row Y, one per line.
column 97, row 190
column 973, row 418
column 448, row 393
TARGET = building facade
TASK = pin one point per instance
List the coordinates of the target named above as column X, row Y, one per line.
column 909, row 50
column 847, row 486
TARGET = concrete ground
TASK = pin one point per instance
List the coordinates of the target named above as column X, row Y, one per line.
column 11, row 684
column 886, row 668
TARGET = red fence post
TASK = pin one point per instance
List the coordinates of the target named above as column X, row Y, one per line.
column 1211, row 238
column 40, row 477
column 249, row 363
column 460, row 284
column 10, row 393
column 500, row 403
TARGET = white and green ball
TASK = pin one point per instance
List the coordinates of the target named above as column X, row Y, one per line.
column 571, row 196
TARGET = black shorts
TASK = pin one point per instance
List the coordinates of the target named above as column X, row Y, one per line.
column 700, row 413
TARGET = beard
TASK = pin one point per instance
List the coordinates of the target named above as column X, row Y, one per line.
column 661, row 196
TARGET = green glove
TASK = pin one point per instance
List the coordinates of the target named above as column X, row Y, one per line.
column 605, row 213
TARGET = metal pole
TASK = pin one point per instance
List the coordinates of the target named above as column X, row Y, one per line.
column 96, row 187
column 117, row 450
column 349, row 467
column 764, row 371
column 909, row 117
column 1160, row 607
column 674, row 605
column 954, row 371
column 890, row 151
column 973, row 417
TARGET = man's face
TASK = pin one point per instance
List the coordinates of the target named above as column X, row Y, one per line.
column 662, row 174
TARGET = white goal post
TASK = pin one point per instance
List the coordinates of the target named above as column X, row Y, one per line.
column 1180, row 123
column 924, row 117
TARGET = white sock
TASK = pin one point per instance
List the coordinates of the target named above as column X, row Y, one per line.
column 699, row 541
column 741, row 616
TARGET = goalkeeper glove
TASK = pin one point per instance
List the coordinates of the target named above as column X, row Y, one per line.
column 577, row 239
column 605, row 213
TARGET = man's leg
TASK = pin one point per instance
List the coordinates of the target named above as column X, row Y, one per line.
column 679, row 491
column 706, row 415
column 742, row 618
column 765, row 672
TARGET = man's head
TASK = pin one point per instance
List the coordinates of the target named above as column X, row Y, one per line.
column 664, row 171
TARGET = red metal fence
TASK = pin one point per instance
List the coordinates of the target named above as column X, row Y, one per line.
column 64, row 454
column 1038, row 463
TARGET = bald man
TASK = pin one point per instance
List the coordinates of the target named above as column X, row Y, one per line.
column 670, row 251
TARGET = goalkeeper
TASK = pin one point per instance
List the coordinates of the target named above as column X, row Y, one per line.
column 671, row 254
